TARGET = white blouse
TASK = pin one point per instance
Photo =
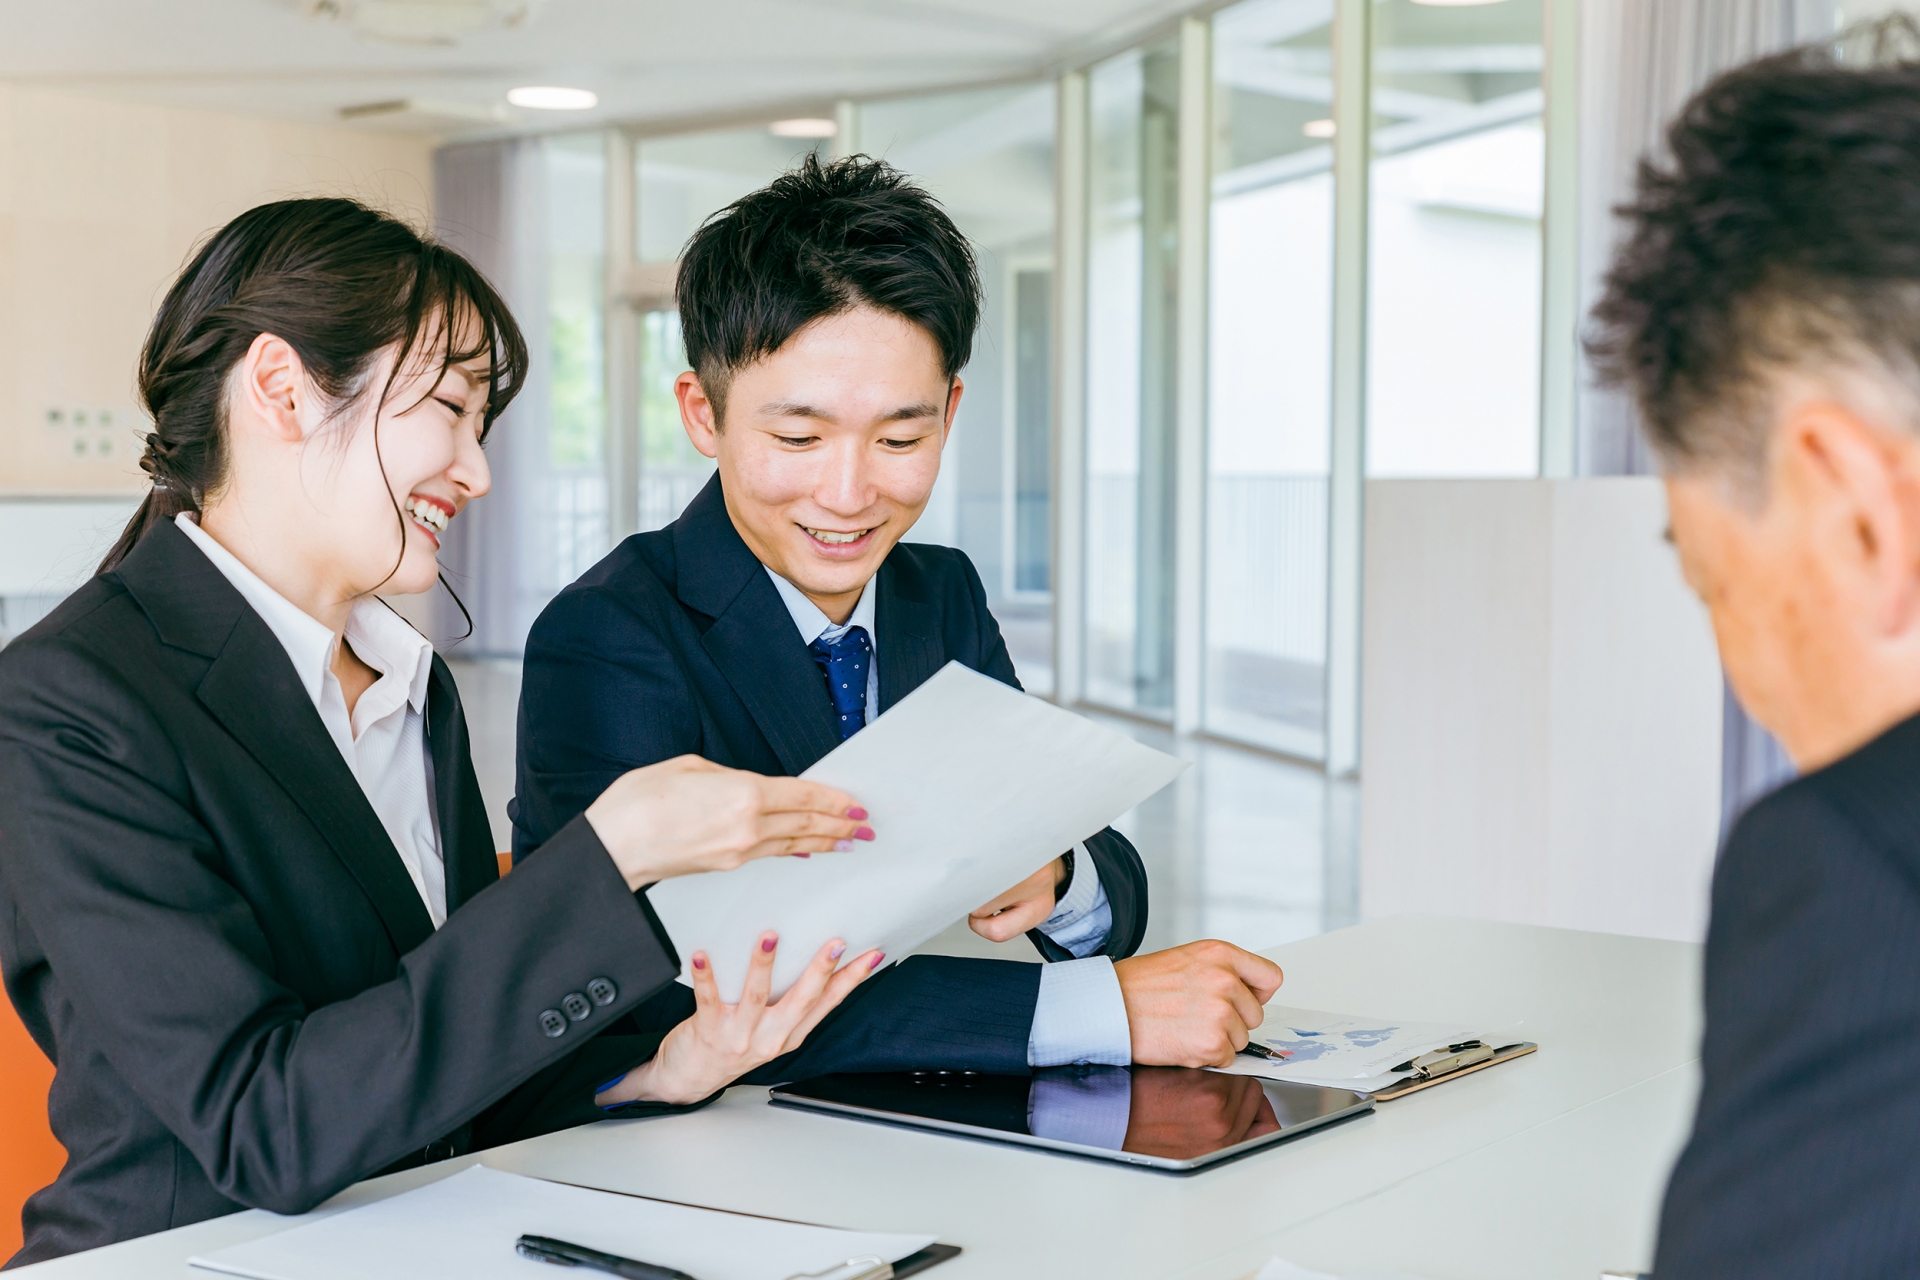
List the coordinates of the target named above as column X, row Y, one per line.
column 384, row 742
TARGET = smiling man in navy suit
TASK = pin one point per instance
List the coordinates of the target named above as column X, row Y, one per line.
column 827, row 318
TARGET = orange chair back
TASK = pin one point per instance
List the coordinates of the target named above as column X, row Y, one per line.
column 30, row 1158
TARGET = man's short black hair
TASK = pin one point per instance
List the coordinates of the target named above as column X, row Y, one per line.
column 1782, row 235
column 822, row 240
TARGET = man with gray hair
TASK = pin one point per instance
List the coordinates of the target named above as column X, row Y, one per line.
column 1765, row 313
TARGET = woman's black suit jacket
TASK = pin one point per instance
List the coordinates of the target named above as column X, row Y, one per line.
column 204, row 925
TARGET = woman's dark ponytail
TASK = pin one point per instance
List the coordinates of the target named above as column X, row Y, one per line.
column 338, row 282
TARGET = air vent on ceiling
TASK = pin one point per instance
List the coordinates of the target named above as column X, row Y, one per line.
column 423, row 113
column 423, row 22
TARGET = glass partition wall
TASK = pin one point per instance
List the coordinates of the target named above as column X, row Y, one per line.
column 1132, row 298
column 1447, row 373
column 1457, row 187
column 678, row 182
column 988, row 156
column 1270, row 361
column 571, row 519
column 1446, row 274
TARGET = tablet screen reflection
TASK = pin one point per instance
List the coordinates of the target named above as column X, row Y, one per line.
column 1176, row 1113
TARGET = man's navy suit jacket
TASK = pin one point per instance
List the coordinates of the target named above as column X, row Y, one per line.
column 1805, row 1154
column 678, row 643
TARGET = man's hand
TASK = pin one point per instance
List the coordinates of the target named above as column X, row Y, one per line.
column 1192, row 1006
column 1173, row 1111
column 1022, row 907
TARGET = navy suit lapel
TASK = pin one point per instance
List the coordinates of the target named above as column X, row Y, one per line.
column 752, row 639
column 252, row 689
column 910, row 651
column 466, row 837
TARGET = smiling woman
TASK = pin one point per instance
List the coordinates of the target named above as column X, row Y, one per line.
column 311, row 303
column 242, row 848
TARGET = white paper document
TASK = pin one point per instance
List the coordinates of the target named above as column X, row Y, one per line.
column 1340, row 1050
column 973, row 786
column 466, row 1226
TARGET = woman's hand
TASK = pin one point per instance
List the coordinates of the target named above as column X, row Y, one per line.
column 722, row 1042
column 687, row 815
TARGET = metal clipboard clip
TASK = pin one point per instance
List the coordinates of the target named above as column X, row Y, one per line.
column 1450, row 1063
column 870, row 1267
column 1442, row 1061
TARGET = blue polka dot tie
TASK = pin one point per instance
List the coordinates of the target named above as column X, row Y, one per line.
column 844, row 662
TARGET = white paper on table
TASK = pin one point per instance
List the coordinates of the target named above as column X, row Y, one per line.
column 972, row 787
column 1342, row 1050
column 466, row 1226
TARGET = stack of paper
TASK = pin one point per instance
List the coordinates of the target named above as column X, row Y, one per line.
column 466, row 1226
column 973, row 786
column 1342, row 1051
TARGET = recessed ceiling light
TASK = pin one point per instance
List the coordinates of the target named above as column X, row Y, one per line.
column 1318, row 128
column 553, row 98
column 805, row 127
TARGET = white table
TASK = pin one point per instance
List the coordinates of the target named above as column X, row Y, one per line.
column 1548, row 1167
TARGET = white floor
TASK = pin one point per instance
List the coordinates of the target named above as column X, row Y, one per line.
column 1245, row 846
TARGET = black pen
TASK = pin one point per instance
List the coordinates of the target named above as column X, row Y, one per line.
column 562, row 1254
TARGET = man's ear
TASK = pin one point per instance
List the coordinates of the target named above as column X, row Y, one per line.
column 1859, row 483
column 273, row 386
column 953, row 407
column 697, row 414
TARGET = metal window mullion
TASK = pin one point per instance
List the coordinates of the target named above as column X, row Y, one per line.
column 1560, row 243
column 1346, row 479
column 1070, row 390
column 1190, row 372
column 620, row 332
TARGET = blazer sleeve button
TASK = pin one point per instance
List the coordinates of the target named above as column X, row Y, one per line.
column 553, row 1023
column 576, row 1006
column 603, row 991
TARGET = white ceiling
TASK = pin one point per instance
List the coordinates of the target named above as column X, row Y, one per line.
column 647, row 59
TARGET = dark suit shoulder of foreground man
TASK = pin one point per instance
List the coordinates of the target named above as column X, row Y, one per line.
column 1813, row 1034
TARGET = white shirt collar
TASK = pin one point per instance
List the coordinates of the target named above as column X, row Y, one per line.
column 380, row 637
column 813, row 624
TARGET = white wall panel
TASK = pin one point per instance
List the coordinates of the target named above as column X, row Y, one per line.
column 1541, row 708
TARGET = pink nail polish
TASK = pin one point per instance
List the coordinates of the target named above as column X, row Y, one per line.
column 837, row 952
column 802, row 855
column 863, row 833
column 843, row 846
column 769, row 942
column 857, row 814
column 875, row 962
column 699, row 962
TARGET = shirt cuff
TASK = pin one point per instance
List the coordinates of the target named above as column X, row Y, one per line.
column 1080, row 1016
column 1082, row 920
column 1088, row 1108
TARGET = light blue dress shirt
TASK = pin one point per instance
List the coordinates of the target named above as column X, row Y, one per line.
column 1090, row 1108
column 1081, row 1015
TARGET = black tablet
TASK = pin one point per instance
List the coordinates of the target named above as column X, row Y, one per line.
column 1174, row 1118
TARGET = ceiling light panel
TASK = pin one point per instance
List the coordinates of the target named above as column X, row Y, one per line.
column 804, row 127
column 549, row 97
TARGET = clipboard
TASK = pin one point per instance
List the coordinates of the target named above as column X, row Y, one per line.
column 877, row 1268
column 1415, row 1083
